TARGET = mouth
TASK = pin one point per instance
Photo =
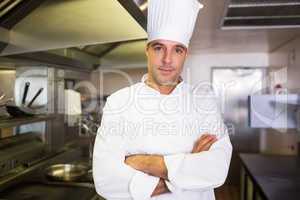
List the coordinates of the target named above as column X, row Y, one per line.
column 165, row 70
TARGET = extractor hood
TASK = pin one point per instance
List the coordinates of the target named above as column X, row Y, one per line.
column 62, row 24
column 261, row 14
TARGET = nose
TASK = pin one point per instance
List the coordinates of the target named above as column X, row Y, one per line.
column 167, row 59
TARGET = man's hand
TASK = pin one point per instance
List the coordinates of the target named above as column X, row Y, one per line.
column 161, row 188
column 153, row 165
column 137, row 162
column 204, row 143
column 150, row 164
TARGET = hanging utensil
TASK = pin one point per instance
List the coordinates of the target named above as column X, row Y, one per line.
column 15, row 111
column 2, row 96
column 2, row 102
column 36, row 95
column 27, row 84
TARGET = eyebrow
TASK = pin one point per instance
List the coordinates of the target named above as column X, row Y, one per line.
column 160, row 44
column 180, row 46
column 155, row 44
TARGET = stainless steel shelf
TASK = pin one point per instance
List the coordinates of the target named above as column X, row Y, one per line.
column 11, row 122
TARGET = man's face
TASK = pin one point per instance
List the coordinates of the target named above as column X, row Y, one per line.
column 165, row 61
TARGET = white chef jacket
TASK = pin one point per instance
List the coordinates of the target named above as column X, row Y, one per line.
column 140, row 120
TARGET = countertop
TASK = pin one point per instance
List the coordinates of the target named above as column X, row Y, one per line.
column 37, row 187
column 278, row 177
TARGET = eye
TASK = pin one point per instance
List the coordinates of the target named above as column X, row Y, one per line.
column 179, row 50
column 157, row 48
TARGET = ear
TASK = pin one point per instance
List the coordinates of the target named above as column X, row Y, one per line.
column 187, row 52
column 146, row 50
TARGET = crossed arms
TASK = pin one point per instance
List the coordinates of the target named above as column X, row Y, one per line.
column 119, row 176
column 154, row 165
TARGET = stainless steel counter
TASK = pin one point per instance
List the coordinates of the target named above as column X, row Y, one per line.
column 32, row 183
column 270, row 177
column 39, row 191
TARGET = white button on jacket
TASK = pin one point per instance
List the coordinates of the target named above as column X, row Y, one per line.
column 140, row 120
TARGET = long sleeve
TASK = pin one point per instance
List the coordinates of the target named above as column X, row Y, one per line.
column 200, row 171
column 208, row 169
column 113, row 178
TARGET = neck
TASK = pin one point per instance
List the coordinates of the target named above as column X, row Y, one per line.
column 163, row 89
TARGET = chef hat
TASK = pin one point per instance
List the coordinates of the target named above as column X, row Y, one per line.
column 172, row 20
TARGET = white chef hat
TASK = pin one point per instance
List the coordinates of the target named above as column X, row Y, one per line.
column 172, row 20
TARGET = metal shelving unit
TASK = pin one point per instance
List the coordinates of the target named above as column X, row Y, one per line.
column 6, row 122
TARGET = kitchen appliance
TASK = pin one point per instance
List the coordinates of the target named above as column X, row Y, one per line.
column 232, row 86
column 72, row 107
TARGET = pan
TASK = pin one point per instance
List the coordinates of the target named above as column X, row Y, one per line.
column 18, row 111
column 15, row 111
column 66, row 172
column 24, row 110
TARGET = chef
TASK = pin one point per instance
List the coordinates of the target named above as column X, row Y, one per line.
column 161, row 138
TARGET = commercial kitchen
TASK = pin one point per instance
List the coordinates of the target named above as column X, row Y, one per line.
column 60, row 61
